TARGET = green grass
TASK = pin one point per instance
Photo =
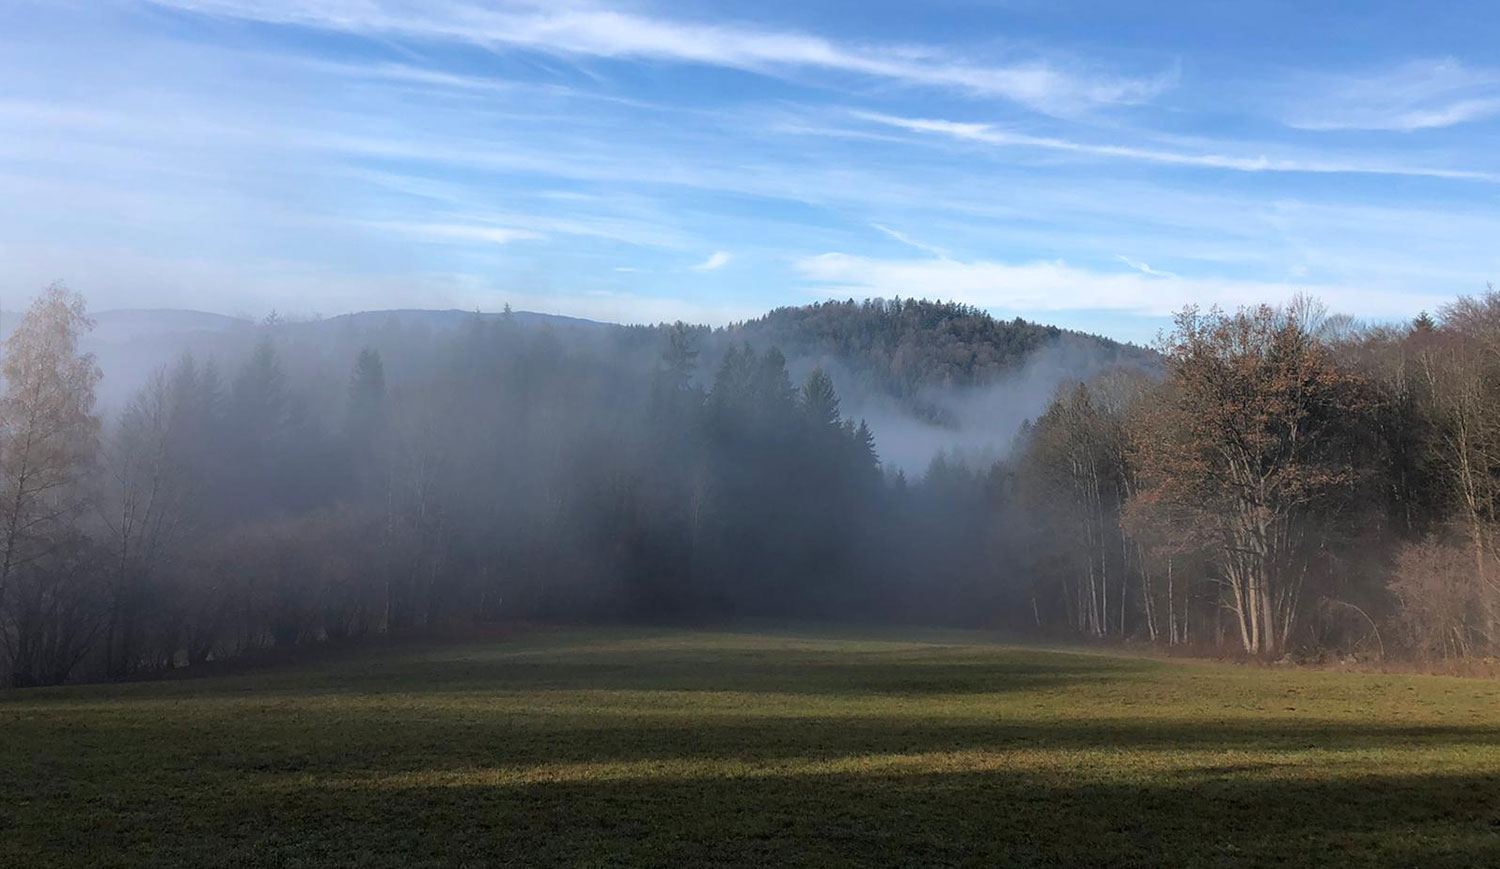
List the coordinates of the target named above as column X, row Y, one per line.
column 681, row 748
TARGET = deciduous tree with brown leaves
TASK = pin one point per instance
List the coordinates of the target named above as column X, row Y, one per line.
column 1259, row 453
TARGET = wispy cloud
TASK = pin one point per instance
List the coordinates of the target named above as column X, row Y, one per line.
column 1418, row 95
column 577, row 30
column 1143, row 268
column 423, row 141
column 1054, row 285
column 460, row 233
column 907, row 240
column 717, row 260
column 992, row 135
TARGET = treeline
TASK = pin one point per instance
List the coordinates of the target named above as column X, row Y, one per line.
column 513, row 476
column 1276, row 482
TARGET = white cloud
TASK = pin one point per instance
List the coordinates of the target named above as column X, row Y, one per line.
column 1419, row 95
column 578, row 30
column 1053, row 285
column 991, row 135
column 717, row 260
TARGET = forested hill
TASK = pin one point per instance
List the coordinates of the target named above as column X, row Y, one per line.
column 912, row 351
column 928, row 376
column 906, row 346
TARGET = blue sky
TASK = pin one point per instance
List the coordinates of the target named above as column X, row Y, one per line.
column 1095, row 165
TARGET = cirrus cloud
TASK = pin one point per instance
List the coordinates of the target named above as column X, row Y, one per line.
column 1418, row 95
column 591, row 30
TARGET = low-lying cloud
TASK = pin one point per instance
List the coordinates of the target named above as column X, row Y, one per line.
column 1054, row 285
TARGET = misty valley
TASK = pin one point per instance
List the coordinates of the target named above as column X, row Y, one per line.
column 464, row 434
column 386, row 520
column 1275, row 483
column 414, row 492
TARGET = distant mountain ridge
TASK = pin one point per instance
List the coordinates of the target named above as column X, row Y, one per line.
column 185, row 319
column 452, row 318
column 131, row 343
column 906, row 358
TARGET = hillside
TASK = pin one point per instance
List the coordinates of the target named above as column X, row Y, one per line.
column 929, row 376
column 131, row 343
column 907, row 346
column 904, row 346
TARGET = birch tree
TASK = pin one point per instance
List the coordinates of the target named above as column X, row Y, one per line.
column 48, row 438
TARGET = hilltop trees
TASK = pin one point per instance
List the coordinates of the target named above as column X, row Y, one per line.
column 914, row 349
column 906, row 344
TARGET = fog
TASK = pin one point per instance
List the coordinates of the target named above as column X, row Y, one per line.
column 976, row 423
column 204, row 487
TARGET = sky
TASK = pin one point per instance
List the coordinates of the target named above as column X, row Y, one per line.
column 1094, row 165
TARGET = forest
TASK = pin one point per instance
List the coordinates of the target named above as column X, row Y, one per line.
column 1272, row 482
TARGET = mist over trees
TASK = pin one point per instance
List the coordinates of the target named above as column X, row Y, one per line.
column 1272, row 481
column 1291, row 484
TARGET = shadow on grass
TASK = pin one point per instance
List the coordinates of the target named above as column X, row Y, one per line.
column 981, row 818
column 395, row 744
column 279, row 778
column 902, row 671
column 996, row 818
column 899, row 671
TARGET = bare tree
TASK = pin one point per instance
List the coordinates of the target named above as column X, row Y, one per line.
column 144, row 509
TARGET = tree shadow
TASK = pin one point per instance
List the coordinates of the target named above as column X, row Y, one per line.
column 916, row 670
column 406, row 744
column 804, row 756
column 992, row 818
column 995, row 818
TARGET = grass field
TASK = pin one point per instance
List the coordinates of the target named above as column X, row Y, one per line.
column 681, row 748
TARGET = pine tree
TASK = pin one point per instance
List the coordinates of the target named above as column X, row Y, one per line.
column 679, row 357
column 820, row 404
column 864, row 446
column 260, row 404
column 366, row 411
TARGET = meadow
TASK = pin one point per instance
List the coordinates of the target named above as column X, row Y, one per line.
column 756, row 747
